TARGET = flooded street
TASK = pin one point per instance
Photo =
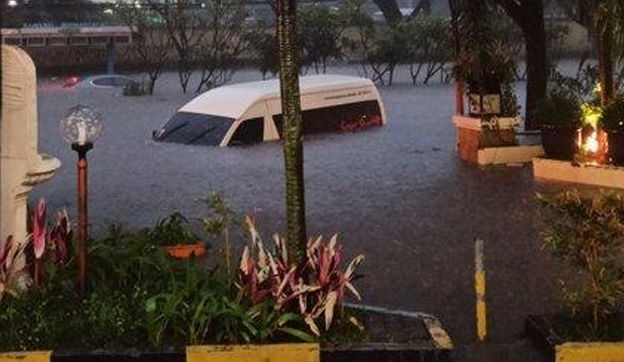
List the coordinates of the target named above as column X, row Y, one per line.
column 398, row 194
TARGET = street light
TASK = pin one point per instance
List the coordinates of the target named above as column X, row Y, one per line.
column 80, row 127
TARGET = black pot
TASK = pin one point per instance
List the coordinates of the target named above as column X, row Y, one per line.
column 616, row 146
column 559, row 142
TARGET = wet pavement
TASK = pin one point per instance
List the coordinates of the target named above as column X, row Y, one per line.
column 398, row 194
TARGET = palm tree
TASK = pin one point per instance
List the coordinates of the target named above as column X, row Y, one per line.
column 288, row 52
column 609, row 22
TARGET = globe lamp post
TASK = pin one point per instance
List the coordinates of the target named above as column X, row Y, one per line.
column 81, row 127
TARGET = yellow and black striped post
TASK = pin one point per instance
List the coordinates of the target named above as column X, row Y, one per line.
column 480, row 291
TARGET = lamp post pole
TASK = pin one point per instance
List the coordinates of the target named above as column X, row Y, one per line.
column 83, row 227
column 80, row 128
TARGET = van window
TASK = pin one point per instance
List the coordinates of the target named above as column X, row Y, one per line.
column 342, row 118
column 194, row 129
column 249, row 131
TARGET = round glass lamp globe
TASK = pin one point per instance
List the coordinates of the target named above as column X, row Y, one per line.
column 81, row 125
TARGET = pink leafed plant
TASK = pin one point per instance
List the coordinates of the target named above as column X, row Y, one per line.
column 314, row 288
column 59, row 238
column 39, row 231
column 14, row 278
column 55, row 239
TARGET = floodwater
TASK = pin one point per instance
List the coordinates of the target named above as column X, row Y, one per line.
column 398, row 194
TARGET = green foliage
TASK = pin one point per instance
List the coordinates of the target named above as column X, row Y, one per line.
column 138, row 297
column 320, row 32
column 612, row 118
column 390, row 48
column 320, row 35
column 134, row 89
column 263, row 46
column 218, row 223
column 561, row 108
column 429, row 45
column 588, row 235
column 509, row 101
column 193, row 308
column 485, row 60
column 173, row 230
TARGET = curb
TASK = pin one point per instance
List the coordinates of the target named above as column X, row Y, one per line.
column 597, row 351
column 300, row 352
column 557, row 349
column 369, row 352
column 435, row 347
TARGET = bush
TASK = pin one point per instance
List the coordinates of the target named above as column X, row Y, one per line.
column 588, row 235
column 561, row 108
column 173, row 230
column 134, row 89
column 139, row 297
column 612, row 118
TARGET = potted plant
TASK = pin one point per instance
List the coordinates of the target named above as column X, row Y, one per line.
column 484, row 62
column 559, row 115
column 586, row 234
column 174, row 234
column 612, row 122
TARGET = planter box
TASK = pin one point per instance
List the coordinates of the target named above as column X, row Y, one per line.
column 506, row 155
column 541, row 333
column 472, row 137
column 568, row 171
column 300, row 352
column 396, row 336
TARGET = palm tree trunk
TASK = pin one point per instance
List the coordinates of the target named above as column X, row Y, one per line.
column 605, row 64
column 288, row 49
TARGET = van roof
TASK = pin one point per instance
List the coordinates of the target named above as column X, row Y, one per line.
column 233, row 100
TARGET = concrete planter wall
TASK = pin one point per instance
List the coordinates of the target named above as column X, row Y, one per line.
column 491, row 144
column 414, row 336
column 545, row 169
column 557, row 349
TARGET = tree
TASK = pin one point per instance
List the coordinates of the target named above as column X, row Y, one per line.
column 429, row 45
column 264, row 48
column 529, row 16
column 392, row 13
column 225, row 42
column 609, row 23
column 186, row 28
column 604, row 21
column 289, row 58
column 320, row 38
column 150, row 43
column 380, row 51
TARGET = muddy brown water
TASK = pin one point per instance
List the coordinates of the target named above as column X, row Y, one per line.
column 398, row 194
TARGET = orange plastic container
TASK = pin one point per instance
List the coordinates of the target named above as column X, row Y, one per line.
column 186, row 251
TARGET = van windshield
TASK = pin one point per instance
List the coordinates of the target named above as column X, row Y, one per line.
column 194, row 129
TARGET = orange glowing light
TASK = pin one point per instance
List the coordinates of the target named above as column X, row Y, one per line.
column 591, row 144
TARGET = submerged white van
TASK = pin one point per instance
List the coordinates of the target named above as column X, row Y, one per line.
column 247, row 113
